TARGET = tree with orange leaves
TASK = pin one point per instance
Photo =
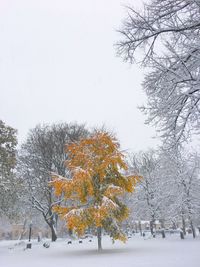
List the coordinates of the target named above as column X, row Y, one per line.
column 95, row 185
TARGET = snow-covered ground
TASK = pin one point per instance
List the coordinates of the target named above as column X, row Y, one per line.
column 137, row 252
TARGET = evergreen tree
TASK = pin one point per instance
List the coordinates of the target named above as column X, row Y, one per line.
column 8, row 182
column 8, row 142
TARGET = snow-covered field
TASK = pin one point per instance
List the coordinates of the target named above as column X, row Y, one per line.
column 137, row 252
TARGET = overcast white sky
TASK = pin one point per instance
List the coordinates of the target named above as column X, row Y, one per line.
column 58, row 63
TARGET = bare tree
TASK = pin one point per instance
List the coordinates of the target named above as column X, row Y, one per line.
column 181, row 171
column 43, row 153
column 168, row 31
column 169, row 190
column 148, row 198
column 186, row 188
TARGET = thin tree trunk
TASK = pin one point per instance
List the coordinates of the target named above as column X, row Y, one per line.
column 193, row 229
column 163, row 233
column 99, row 235
column 151, row 227
column 140, row 227
column 162, row 224
column 183, row 225
column 174, row 226
column 136, row 228
column 181, row 234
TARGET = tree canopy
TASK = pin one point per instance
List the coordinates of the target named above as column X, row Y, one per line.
column 168, row 35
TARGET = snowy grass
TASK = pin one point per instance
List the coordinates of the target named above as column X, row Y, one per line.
column 137, row 252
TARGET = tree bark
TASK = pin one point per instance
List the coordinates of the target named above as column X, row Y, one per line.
column 51, row 223
column 163, row 233
column 181, row 234
column 183, row 225
column 151, row 227
column 53, row 233
column 99, row 235
column 193, row 229
column 136, row 228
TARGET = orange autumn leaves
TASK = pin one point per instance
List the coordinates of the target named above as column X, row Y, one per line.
column 96, row 181
column 93, row 156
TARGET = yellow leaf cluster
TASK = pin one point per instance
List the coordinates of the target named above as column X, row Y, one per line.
column 101, row 213
column 120, row 236
column 76, row 222
column 62, row 185
column 113, row 191
column 61, row 211
column 95, row 155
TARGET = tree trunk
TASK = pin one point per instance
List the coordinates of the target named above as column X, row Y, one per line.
column 140, row 227
column 183, row 225
column 163, row 233
column 193, row 229
column 174, row 226
column 199, row 229
column 52, row 224
column 99, row 233
column 53, row 233
column 181, row 234
column 151, row 227
column 136, row 228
